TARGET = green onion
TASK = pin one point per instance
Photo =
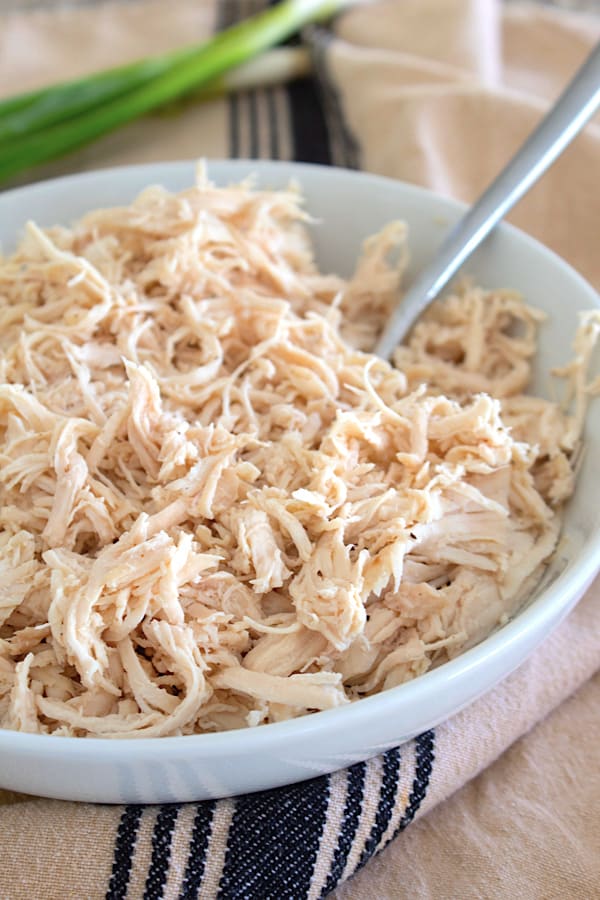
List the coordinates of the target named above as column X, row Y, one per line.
column 34, row 111
column 270, row 68
column 43, row 125
column 30, row 112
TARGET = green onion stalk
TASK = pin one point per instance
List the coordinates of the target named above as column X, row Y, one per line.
column 43, row 125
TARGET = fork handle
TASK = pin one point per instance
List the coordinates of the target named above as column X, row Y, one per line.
column 557, row 129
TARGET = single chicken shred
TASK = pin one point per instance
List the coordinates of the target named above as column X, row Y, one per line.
column 217, row 508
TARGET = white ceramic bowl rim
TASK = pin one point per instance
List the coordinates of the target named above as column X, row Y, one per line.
column 244, row 740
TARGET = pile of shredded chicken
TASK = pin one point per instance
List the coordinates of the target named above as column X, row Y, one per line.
column 217, row 509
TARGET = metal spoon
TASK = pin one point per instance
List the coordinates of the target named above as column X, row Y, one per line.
column 567, row 117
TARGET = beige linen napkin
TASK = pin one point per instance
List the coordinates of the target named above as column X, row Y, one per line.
column 438, row 92
column 443, row 93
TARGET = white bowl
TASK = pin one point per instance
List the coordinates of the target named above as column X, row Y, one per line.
column 351, row 207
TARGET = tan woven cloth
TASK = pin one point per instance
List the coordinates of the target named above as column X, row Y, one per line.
column 438, row 92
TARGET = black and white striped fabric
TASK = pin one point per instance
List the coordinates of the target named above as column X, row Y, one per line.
column 293, row 843
column 298, row 842
column 299, row 121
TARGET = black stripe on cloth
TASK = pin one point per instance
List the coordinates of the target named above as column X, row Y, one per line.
column 234, row 126
column 309, row 131
column 273, row 842
column 310, row 137
column 274, row 150
column 123, row 852
column 253, row 115
column 194, row 869
column 425, row 755
column 230, row 12
column 161, row 851
column 385, row 807
column 345, row 150
column 351, row 818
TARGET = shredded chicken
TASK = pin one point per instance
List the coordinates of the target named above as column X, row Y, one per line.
column 217, row 508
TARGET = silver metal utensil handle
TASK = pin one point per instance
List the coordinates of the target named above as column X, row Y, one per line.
column 570, row 113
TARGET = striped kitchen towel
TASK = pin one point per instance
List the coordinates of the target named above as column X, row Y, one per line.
column 300, row 120
column 303, row 841
column 287, row 844
column 390, row 94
